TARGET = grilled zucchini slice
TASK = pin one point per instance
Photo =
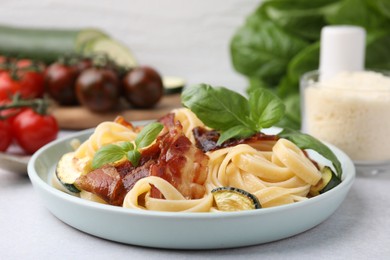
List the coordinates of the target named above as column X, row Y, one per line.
column 67, row 173
column 328, row 181
column 234, row 199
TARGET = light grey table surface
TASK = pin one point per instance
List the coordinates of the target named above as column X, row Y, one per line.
column 359, row 229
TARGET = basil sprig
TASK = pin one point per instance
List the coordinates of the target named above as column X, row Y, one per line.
column 231, row 113
column 235, row 116
column 111, row 153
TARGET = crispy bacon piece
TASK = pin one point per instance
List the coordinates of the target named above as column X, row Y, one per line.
column 173, row 157
column 105, row 182
column 181, row 164
column 206, row 140
column 168, row 120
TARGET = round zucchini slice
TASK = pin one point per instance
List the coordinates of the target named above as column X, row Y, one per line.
column 66, row 172
column 328, row 181
column 173, row 85
column 234, row 199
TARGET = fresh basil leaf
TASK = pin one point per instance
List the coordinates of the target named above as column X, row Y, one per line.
column 360, row 13
column 134, row 156
column 218, row 107
column 304, row 21
column 381, row 6
column 126, row 146
column 235, row 132
column 107, row 154
column 305, row 141
column 307, row 59
column 266, row 108
column 377, row 49
column 148, row 134
column 261, row 49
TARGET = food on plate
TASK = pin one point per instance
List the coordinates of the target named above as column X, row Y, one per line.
column 143, row 87
column 233, row 199
column 210, row 156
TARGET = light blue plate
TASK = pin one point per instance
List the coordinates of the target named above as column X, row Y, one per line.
column 181, row 230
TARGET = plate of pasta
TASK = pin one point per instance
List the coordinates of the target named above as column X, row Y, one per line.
column 186, row 182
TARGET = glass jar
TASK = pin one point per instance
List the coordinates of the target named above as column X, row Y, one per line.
column 352, row 112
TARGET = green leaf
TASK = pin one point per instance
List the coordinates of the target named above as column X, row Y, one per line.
column 148, row 134
column 357, row 12
column 305, row 141
column 238, row 131
column 107, row 154
column 261, row 49
column 381, row 6
column 305, row 22
column 307, row 59
column 126, row 146
column 134, row 157
column 266, row 108
column 376, row 51
column 293, row 107
column 218, row 107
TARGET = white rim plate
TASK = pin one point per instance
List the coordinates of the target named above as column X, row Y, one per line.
column 181, row 230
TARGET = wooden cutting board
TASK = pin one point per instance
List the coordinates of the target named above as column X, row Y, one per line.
column 78, row 117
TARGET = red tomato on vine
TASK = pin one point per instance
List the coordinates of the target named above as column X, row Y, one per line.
column 24, row 77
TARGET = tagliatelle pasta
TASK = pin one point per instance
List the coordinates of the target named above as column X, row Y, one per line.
column 276, row 171
column 174, row 200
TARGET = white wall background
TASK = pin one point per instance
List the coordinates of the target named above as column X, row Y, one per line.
column 187, row 38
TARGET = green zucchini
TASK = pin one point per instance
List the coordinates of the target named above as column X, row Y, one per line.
column 48, row 44
column 173, row 85
column 328, row 181
column 42, row 44
column 113, row 49
column 234, row 199
column 66, row 172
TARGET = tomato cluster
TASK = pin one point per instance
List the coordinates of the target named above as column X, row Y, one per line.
column 29, row 126
column 94, row 82
column 99, row 84
column 21, row 76
column 23, row 117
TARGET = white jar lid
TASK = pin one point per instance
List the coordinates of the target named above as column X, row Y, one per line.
column 342, row 50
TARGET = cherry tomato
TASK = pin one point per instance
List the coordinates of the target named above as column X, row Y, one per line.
column 143, row 87
column 32, row 130
column 8, row 86
column 23, row 80
column 98, row 89
column 5, row 135
column 60, row 80
column 31, row 80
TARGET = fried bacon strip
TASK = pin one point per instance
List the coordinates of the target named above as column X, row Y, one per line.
column 172, row 157
column 181, row 164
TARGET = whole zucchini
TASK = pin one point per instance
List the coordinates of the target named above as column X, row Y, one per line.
column 48, row 44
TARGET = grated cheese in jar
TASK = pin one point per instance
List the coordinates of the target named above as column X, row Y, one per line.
column 351, row 111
